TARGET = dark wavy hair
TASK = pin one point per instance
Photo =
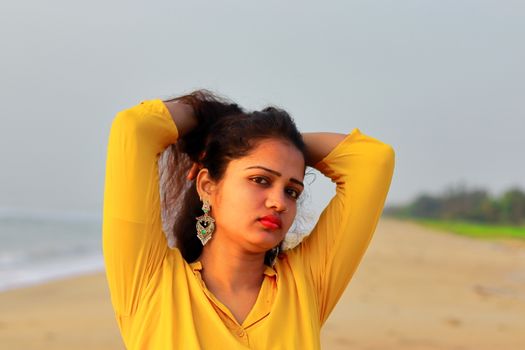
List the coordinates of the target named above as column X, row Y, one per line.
column 225, row 132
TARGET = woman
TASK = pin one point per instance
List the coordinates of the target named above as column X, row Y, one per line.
column 236, row 180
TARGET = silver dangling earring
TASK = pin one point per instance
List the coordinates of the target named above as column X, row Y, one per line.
column 205, row 224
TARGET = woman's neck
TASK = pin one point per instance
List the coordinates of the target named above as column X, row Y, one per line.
column 229, row 269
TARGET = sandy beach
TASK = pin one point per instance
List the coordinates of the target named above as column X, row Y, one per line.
column 416, row 289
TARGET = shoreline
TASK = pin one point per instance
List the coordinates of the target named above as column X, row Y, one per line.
column 51, row 276
column 93, row 264
column 415, row 289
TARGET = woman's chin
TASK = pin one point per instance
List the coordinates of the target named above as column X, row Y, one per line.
column 266, row 239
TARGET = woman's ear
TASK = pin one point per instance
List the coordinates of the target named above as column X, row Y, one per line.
column 204, row 183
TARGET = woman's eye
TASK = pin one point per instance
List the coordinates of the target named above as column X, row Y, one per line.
column 293, row 193
column 260, row 180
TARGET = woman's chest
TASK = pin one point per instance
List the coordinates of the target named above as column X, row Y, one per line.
column 182, row 311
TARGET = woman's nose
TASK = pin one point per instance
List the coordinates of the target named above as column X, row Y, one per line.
column 276, row 201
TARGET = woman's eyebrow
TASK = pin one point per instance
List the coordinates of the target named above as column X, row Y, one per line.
column 276, row 173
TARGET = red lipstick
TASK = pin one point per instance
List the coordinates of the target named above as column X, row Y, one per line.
column 272, row 222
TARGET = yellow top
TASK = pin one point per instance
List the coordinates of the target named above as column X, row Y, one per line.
column 160, row 300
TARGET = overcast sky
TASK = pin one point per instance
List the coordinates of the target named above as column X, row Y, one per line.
column 443, row 82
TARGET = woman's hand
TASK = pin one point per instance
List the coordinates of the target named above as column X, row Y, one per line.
column 319, row 144
column 183, row 116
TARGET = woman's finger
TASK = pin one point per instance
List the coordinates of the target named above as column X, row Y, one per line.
column 192, row 174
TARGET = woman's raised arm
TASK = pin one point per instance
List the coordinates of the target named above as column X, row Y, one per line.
column 362, row 169
column 133, row 242
column 319, row 145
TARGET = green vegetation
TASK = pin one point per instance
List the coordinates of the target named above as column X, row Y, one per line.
column 474, row 229
column 468, row 212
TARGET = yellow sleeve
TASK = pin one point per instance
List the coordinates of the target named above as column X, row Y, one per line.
column 362, row 169
column 133, row 242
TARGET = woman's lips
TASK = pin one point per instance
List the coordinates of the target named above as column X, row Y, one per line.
column 271, row 222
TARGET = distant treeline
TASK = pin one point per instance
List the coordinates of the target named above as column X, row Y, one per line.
column 460, row 203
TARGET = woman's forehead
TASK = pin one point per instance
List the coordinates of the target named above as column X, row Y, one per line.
column 277, row 155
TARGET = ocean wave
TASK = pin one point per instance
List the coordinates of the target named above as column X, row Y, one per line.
column 41, row 246
column 49, row 215
column 26, row 275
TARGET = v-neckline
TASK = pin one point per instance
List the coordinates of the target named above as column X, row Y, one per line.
column 263, row 303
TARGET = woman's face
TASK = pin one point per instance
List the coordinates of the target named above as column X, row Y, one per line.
column 255, row 203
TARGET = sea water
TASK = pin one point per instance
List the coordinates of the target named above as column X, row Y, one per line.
column 35, row 248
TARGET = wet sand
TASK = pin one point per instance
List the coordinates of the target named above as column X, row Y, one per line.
column 416, row 288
